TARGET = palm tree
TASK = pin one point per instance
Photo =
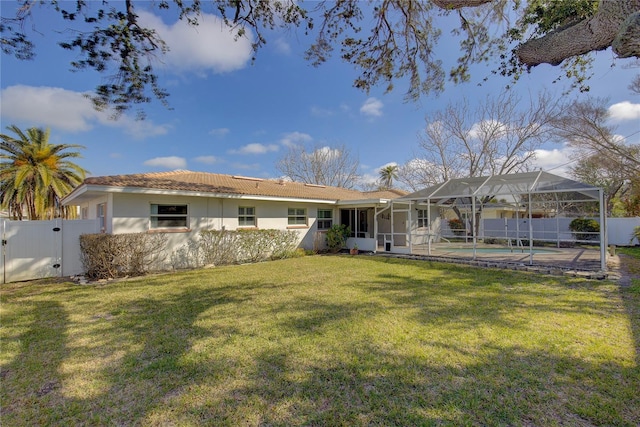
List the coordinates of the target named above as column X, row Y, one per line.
column 35, row 175
column 387, row 175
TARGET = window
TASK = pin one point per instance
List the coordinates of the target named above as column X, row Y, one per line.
column 169, row 216
column 101, row 213
column 297, row 216
column 325, row 219
column 246, row 216
column 423, row 220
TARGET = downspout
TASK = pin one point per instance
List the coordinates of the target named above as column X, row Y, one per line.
column 221, row 214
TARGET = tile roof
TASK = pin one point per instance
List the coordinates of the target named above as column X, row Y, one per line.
column 230, row 184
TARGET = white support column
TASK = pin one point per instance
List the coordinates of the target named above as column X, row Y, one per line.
column 603, row 232
column 530, row 232
column 473, row 224
column 408, row 227
column 429, row 229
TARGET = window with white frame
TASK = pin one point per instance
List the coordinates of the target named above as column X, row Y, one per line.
column 297, row 216
column 423, row 220
column 246, row 216
column 325, row 219
column 169, row 216
column 101, row 214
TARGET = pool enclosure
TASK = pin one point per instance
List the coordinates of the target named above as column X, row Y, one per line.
column 523, row 217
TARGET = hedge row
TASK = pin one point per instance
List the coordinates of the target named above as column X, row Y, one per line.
column 118, row 255
column 107, row 256
column 223, row 247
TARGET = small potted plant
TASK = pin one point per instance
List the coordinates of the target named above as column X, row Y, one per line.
column 354, row 250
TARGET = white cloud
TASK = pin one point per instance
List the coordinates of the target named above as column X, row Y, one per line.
column 209, row 46
column 66, row 110
column 556, row 161
column 140, row 129
column 385, row 165
column 624, row 111
column 219, row 132
column 208, row 160
column 372, row 107
column 295, row 138
column 49, row 106
column 487, row 127
column 282, row 46
column 255, row 148
column 244, row 166
column 321, row 112
column 171, row 162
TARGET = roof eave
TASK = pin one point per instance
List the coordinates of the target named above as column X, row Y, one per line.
column 85, row 189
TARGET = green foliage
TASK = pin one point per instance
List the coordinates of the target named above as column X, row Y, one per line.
column 224, row 247
column 457, row 226
column 636, row 234
column 547, row 15
column 386, row 41
column 585, row 228
column 35, row 175
column 107, row 256
column 337, row 237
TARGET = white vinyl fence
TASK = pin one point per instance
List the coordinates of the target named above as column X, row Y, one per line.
column 619, row 230
column 39, row 249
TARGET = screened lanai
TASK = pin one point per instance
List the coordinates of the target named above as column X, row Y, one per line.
column 522, row 218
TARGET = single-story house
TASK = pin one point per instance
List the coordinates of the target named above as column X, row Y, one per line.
column 182, row 203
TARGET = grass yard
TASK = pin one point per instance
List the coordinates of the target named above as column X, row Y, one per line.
column 332, row 340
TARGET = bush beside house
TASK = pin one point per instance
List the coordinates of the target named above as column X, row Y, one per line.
column 107, row 256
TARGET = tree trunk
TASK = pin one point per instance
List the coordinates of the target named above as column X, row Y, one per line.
column 596, row 33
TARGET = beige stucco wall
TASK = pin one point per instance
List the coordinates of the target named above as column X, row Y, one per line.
column 129, row 213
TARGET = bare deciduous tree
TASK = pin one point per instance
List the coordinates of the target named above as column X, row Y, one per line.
column 603, row 172
column 321, row 165
column 583, row 124
column 499, row 136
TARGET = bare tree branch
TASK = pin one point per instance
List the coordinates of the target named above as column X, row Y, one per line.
column 321, row 165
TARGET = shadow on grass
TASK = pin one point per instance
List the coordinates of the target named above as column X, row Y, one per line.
column 153, row 336
column 33, row 376
column 176, row 369
column 512, row 387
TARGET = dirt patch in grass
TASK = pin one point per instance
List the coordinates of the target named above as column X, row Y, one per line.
column 626, row 264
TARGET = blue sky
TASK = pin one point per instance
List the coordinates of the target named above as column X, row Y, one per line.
column 234, row 116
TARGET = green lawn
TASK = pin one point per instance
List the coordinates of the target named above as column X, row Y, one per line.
column 322, row 340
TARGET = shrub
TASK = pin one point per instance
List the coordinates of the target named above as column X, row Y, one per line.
column 222, row 247
column 635, row 235
column 106, row 256
column 337, row 237
column 584, row 228
column 457, row 226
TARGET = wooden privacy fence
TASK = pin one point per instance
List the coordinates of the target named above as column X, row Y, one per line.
column 39, row 249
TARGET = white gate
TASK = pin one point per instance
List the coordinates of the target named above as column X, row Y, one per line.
column 39, row 249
